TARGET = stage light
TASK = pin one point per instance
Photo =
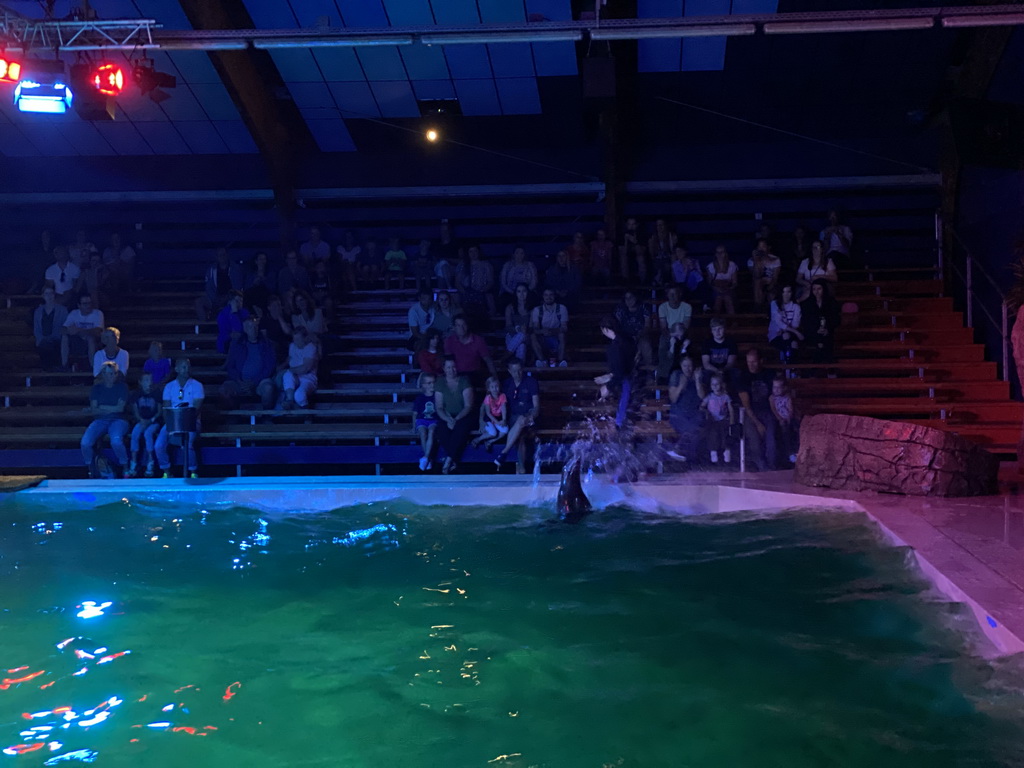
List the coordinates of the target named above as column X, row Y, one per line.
column 108, row 79
column 149, row 80
column 10, row 71
column 432, row 135
column 89, row 83
column 49, row 98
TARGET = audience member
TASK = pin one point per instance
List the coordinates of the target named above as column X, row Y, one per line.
column 94, row 280
column 221, row 278
column 275, row 325
column 493, row 416
column 517, row 322
column 444, row 314
column 671, row 348
column 579, row 253
column 673, row 310
column 299, row 380
column 420, row 318
column 636, row 321
column 685, row 393
column 837, row 239
column 601, row 249
column 157, row 366
column 81, row 250
column 314, row 249
column 819, row 319
column 119, row 259
column 719, row 355
column 293, row 276
column 549, row 324
column 62, row 276
column 447, row 253
column 687, row 275
column 107, row 401
column 784, row 327
column 632, row 252
column 82, row 329
column 523, row 398
column 47, row 329
column 430, row 356
column 251, row 367
column 453, row 400
column 475, row 279
column 621, row 356
column 660, row 246
column 723, row 275
column 307, row 315
column 425, row 418
column 423, row 266
column 816, row 266
column 181, row 392
column 349, row 252
column 395, row 261
column 229, row 321
column 260, row 284
column 145, row 406
column 110, row 352
column 759, row 433
column 765, row 268
column 717, row 405
column 565, row 279
column 469, row 351
column 515, row 271
column 371, row 264
column 786, row 421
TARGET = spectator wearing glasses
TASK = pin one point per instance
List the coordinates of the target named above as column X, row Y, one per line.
column 181, row 392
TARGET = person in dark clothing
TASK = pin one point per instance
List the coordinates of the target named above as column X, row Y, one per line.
column 621, row 355
column 686, row 393
column 819, row 319
column 251, row 366
column 759, row 424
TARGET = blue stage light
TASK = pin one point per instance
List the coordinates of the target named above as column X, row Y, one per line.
column 49, row 98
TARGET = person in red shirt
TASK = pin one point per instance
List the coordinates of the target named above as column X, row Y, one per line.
column 470, row 352
column 430, row 357
column 579, row 253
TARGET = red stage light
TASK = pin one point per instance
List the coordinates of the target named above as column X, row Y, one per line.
column 10, row 71
column 108, row 79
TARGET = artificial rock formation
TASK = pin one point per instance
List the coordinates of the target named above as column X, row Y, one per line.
column 857, row 453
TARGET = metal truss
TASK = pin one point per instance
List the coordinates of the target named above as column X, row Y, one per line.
column 19, row 32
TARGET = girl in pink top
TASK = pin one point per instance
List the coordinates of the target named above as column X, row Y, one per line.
column 493, row 415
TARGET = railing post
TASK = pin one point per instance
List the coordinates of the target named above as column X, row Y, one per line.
column 1006, row 342
column 969, row 277
column 940, row 254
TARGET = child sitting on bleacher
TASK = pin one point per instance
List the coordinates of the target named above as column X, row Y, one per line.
column 145, row 407
column 158, row 366
column 717, row 405
column 394, row 264
column 425, row 417
column 784, row 411
column 493, row 415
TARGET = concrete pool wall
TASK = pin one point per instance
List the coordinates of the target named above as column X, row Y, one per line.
column 980, row 572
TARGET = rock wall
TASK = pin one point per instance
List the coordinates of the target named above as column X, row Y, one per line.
column 857, row 453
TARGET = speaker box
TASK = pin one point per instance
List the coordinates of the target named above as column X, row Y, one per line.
column 599, row 78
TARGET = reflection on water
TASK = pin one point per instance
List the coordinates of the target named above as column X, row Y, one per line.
column 139, row 635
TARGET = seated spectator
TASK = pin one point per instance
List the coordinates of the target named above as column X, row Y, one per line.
column 299, row 381
column 579, row 253
column 523, row 398
column 251, row 367
column 420, row 318
column 260, row 284
column 670, row 350
column 110, row 352
column 221, row 278
column 565, row 279
column 82, row 330
column 819, row 319
column 469, row 351
column 719, row 355
column 621, row 356
column 453, row 401
column 349, row 252
column 632, row 252
column 107, row 401
column 784, row 327
column 601, row 249
column 62, row 276
column 475, row 279
column 673, row 310
column 119, row 259
column 686, row 394
column 307, row 315
column 430, row 356
column 759, row 432
column 447, row 253
column 765, row 268
column 145, row 405
column 276, row 326
column 687, row 275
column 516, row 270
column 719, row 416
column 293, row 276
column 799, row 250
column 816, row 267
column 424, row 412
column 549, row 324
column 660, row 246
column 94, row 280
column 157, row 365
column 786, row 422
column 423, row 266
column 517, row 322
column 838, row 240
column 445, row 313
column 81, row 251
column 635, row 319
column 370, row 264
column 314, row 249
column 47, row 329
column 180, row 392
column 493, row 416
column 395, row 261
column 723, row 275
column 229, row 321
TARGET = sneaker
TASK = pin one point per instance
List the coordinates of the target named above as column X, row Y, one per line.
column 714, row 457
column 150, row 469
column 430, row 466
column 423, row 463
column 132, row 471
column 676, row 455
column 563, row 364
column 727, row 456
column 497, row 465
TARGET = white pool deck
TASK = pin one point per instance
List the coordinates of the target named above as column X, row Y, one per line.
column 971, row 549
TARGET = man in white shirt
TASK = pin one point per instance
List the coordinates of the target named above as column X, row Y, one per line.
column 315, row 249
column 110, row 353
column 82, row 331
column 421, row 317
column 180, row 392
column 549, row 323
column 62, row 275
column 673, row 311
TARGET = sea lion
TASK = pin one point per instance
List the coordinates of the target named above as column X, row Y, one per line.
column 573, row 504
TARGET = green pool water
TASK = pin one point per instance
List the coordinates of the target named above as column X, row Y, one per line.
column 387, row 635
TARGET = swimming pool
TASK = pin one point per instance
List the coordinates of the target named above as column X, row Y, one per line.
column 391, row 634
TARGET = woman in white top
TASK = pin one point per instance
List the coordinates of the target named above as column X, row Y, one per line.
column 722, row 277
column 307, row 315
column 784, row 327
column 816, row 266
